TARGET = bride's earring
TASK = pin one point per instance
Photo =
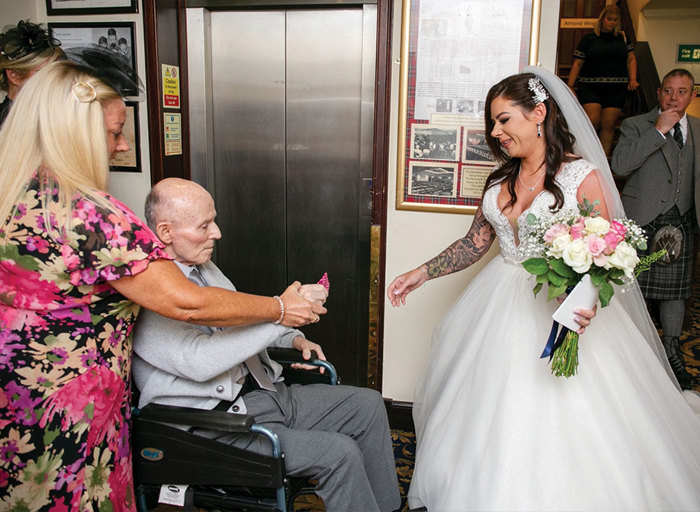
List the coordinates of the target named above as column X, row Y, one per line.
column 539, row 130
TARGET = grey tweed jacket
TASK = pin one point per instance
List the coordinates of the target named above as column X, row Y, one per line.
column 176, row 363
column 644, row 154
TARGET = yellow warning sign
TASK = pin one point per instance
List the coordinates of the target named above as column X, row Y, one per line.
column 171, row 86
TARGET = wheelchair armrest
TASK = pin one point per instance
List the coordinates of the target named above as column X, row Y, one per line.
column 288, row 356
column 203, row 418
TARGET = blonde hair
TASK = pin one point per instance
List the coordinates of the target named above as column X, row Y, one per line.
column 56, row 128
column 27, row 64
column 609, row 9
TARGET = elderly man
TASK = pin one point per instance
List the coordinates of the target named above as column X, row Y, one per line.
column 658, row 151
column 338, row 435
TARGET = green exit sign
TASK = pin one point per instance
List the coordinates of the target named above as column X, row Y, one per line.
column 689, row 53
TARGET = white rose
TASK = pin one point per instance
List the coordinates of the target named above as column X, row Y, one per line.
column 559, row 244
column 576, row 255
column 625, row 258
column 596, row 226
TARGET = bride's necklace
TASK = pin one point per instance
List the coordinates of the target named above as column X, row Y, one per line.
column 532, row 188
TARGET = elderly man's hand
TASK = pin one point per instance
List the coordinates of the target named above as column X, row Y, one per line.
column 297, row 310
column 314, row 292
column 305, row 347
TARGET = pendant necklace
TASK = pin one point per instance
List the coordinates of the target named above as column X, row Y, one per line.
column 532, row 188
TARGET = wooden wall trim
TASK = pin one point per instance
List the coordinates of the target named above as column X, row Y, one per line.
column 400, row 415
column 382, row 103
column 153, row 90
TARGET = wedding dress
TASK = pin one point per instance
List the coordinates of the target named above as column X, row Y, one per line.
column 497, row 431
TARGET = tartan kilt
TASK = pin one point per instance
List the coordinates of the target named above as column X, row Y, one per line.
column 671, row 281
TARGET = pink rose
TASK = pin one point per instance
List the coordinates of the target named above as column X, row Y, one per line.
column 555, row 231
column 577, row 229
column 595, row 244
column 614, row 236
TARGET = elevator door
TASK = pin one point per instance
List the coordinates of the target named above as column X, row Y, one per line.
column 286, row 109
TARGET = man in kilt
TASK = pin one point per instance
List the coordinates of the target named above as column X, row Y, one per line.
column 660, row 152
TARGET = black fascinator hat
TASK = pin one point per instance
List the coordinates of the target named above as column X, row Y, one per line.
column 25, row 39
column 110, row 67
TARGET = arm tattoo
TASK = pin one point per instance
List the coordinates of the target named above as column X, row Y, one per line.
column 465, row 251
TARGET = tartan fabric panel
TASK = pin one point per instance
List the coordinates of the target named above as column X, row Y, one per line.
column 673, row 281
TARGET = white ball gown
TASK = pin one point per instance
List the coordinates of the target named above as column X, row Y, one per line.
column 497, row 431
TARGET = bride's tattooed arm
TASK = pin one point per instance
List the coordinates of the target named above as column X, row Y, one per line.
column 465, row 251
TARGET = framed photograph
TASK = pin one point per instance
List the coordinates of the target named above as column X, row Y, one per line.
column 117, row 36
column 433, row 179
column 452, row 52
column 475, row 149
column 129, row 161
column 429, row 142
column 69, row 7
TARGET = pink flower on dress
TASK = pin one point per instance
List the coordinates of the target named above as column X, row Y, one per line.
column 38, row 244
column 26, row 288
column 96, row 397
column 615, row 235
column 556, row 230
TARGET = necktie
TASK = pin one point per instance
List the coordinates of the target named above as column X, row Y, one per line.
column 253, row 363
column 678, row 135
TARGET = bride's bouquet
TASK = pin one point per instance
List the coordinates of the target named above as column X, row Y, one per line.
column 571, row 244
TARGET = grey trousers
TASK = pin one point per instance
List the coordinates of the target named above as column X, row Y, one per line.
column 338, row 435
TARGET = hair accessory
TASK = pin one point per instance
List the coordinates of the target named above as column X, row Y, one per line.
column 279, row 320
column 539, row 130
column 539, row 93
column 24, row 39
column 111, row 68
column 84, row 92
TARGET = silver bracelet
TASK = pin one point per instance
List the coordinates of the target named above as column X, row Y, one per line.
column 279, row 320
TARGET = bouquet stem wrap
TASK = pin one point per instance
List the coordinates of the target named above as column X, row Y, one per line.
column 562, row 350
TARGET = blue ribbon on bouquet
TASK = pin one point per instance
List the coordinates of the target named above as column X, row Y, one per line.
column 554, row 341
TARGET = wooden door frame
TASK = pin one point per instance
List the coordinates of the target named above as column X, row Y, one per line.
column 159, row 19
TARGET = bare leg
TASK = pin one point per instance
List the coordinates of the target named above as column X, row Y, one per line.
column 608, row 121
column 593, row 111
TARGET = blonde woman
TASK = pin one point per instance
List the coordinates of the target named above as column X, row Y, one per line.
column 605, row 67
column 24, row 49
column 75, row 264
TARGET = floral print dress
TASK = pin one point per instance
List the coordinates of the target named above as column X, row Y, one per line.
column 65, row 355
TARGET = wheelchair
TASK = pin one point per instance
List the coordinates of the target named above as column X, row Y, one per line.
column 218, row 476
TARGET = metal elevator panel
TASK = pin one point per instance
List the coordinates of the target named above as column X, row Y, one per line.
column 289, row 99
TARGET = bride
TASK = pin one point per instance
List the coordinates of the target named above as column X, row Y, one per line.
column 496, row 430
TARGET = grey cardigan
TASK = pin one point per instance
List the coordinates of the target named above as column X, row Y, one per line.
column 177, row 363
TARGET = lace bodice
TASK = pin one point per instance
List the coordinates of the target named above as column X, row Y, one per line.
column 568, row 179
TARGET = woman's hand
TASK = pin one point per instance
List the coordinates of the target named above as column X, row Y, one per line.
column 633, row 84
column 297, row 310
column 405, row 284
column 584, row 317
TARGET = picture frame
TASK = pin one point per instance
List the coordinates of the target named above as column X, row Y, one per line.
column 115, row 35
column 78, row 7
column 129, row 161
column 452, row 52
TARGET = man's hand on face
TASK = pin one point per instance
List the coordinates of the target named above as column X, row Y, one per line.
column 305, row 347
column 667, row 119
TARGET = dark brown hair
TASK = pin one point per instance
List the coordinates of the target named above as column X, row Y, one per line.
column 559, row 142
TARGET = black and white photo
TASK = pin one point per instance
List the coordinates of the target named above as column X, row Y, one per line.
column 432, row 179
column 431, row 142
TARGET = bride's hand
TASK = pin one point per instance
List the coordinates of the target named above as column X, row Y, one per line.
column 405, row 284
column 584, row 317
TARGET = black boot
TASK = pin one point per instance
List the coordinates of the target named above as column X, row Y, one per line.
column 675, row 359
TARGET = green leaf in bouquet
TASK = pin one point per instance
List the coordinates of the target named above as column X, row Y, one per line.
column 597, row 279
column 562, row 268
column 542, row 278
column 587, row 209
column 537, row 288
column 617, row 281
column 605, row 294
column 531, row 219
column 556, row 279
column 555, row 291
column 536, row 266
